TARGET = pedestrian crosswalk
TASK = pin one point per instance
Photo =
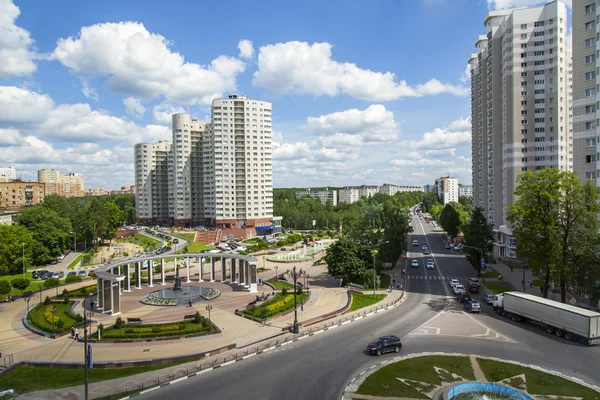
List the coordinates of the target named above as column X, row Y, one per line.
column 438, row 277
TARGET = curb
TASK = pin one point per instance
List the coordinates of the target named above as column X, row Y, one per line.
column 375, row 367
column 394, row 305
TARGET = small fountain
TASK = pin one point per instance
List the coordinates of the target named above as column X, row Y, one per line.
column 483, row 391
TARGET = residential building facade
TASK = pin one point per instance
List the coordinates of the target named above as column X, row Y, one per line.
column 465, row 190
column 16, row 195
column 520, row 104
column 9, row 173
column 217, row 174
column 50, row 178
column 323, row 195
column 391, row 190
column 446, row 189
column 72, row 185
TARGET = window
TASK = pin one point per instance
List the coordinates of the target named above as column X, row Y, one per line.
column 590, row 59
column 590, row 25
column 538, row 34
column 523, row 36
column 538, row 43
column 590, row 142
column 539, row 23
column 590, row 159
column 590, row 125
column 590, row 8
column 590, row 109
column 590, row 175
column 523, row 74
column 590, row 76
column 590, row 42
column 524, row 102
column 523, row 26
column 523, row 112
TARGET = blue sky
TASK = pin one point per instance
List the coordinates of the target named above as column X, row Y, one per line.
column 363, row 92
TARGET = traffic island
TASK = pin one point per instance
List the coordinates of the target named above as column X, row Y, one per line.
column 442, row 376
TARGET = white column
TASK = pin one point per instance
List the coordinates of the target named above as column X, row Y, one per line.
column 127, row 287
column 223, row 269
column 200, row 269
column 242, row 272
column 138, row 274
column 112, row 298
column 212, row 269
column 150, row 272
column 162, row 271
column 99, row 289
column 187, row 262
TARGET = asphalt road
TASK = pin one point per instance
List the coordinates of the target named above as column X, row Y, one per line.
column 320, row 367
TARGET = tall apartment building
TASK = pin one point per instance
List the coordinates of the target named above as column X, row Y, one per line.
column 350, row 194
column 323, row 195
column 153, row 169
column 217, row 174
column 465, row 190
column 15, row 195
column 447, row 189
column 585, row 90
column 9, row 173
column 520, row 102
column 72, row 185
column 391, row 190
column 52, row 181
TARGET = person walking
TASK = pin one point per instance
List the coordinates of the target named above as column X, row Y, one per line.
column 394, row 283
column 190, row 302
column 76, row 334
column 530, row 282
column 73, row 332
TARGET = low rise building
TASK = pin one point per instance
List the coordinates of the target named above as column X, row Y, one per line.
column 16, row 195
column 350, row 194
column 391, row 190
column 322, row 195
column 8, row 217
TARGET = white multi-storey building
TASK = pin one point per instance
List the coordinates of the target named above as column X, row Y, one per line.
column 323, row 195
column 520, row 102
column 10, row 173
column 72, row 185
column 391, row 190
column 465, row 190
column 447, row 189
column 52, row 181
column 217, row 174
column 350, row 194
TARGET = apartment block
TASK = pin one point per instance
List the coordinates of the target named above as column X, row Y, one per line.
column 447, row 189
column 391, row 190
column 585, row 90
column 519, row 103
column 465, row 190
column 350, row 194
column 51, row 178
column 72, row 185
column 8, row 173
column 16, row 195
column 323, row 195
column 217, row 174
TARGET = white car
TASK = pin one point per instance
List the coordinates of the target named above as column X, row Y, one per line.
column 454, row 282
column 241, row 248
column 415, row 263
column 214, row 251
column 415, row 243
column 458, row 289
column 430, row 264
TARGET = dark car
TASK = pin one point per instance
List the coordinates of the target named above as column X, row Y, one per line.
column 175, row 241
column 474, row 288
column 47, row 275
column 82, row 274
column 72, row 273
column 464, row 297
column 38, row 274
column 385, row 344
column 91, row 272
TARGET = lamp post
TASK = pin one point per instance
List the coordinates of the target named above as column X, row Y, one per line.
column 40, row 286
column 208, row 308
column 482, row 258
column 277, row 266
column 53, row 311
column 23, row 260
column 86, row 354
column 295, row 275
column 75, row 247
column 27, row 301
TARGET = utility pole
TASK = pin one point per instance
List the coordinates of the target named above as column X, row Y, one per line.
column 23, row 260
column 86, row 354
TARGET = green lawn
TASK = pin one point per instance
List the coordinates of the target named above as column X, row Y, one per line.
column 499, row 287
column 34, row 284
column 280, row 284
column 384, row 382
column 136, row 331
column 364, row 300
column 144, row 241
column 265, row 310
column 40, row 317
column 75, row 262
column 81, row 291
column 489, row 274
column 538, row 383
column 27, row 379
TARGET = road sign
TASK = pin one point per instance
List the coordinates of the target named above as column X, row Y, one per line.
column 573, row 301
column 483, row 261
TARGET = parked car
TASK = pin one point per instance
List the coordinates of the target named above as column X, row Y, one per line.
column 72, row 273
column 385, row 344
column 415, row 264
column 47, row 275
column 241, row 248
column 472, row 306
column 82, row 274
column 91, row 272
column 38, row 274
column 458, row 289
column 488, row 298
column 58, row 275
column 415, row 243
column 61, row 257
column 175, row 241
column 430, row 264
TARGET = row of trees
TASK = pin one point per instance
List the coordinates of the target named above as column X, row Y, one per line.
column 43, row 232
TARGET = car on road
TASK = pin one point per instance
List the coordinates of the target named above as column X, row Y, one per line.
column 241, row 248
column 473, row 288
column 472, row 306
column 72, row 273
column 82, row 274
column 458, row 289
column 474, row 281
column 415, row 243
column 385, row 344
column 38, row 274
column 430, row 264
column 58, row 275
column 424, row 246
column 426, row 251
column 454, row 282
column 464, row 297
column 415, row 263
column 488, row 298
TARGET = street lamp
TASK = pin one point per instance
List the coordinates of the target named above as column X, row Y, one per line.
column 277, row 266
column 295, row 275
column 86, row 351
column 208, row 308
column 53, row 311
column 482, row 258
column 40, row 286
column 27, row 300
column 23, row 260
column 75, row 247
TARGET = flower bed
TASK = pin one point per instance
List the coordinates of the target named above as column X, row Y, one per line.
column 137, row 331
column 40, row 317
column 279, row 304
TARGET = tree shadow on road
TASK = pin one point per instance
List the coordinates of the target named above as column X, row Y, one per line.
column 438, row 304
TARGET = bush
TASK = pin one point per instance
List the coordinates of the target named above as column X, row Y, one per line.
column 197, row 317
column 47, row 301
column 284, row 291
column 20, row 283
column 51, row 282
column 299, row 290
column 65, row 299
column 205, row 323
column 155, row 329
column 79, row 318
column 60, row 324
column 119, row 323
column 73, row 278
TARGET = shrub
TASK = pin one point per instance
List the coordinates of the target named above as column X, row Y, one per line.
column 60, row 324
column 299, row 291
column 65, row 292
column 197, row 317
column 155, row 329
column 119, row 323
column 129, row 330
column 83, row 291
column 65, row 299
column 20, row 283
column 47, row 300
column 205, row 323
column 73, row 278
column 79, row 318
column 284, row 291
column 51, row 282
column 49, row 316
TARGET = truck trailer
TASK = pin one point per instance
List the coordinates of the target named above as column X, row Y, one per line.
column 563, row 320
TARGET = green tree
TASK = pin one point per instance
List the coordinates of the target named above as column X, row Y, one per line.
column 343, row 260
column 436, row 211
column 450, row 219
column 20, row 284
column 51, row 282
column 115, row 217
column 11, row 248
column 4, row 288
column 479, row 233
column 396, row 227
column 51, row 233
column 465, row 200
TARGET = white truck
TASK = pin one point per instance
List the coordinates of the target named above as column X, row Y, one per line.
column 563, row 320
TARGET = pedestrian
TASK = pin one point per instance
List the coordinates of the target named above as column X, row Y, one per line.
column 393, row 283
column 190, row 302
column 73, row 332
column 530, row 283
column 541, row 290
column 511, row 268
column 398, row 285
column 76, row 334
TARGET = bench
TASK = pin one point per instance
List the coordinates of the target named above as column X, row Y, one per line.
column 191, row 316
column 356, row 286
column 134, row 320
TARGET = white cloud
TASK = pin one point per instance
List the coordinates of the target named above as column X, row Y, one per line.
column 291, row 151
column 23, row 106
column 374, row 124
column 302, row 68
column 341, row 140
column 451, row 152
column 141, row 64
column 134, row 107
column 9, row 137
column 504, row 4
column 465, row 77
column 246, row 49
column 162, row 113
column 87, row 90
column 16, row 52
column 458, row 133
column 329, row 154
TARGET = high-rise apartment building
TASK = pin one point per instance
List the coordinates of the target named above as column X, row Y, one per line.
column 447, row 189
column 72, row 185
column 51, row 179
column 520, row 102
column 217, row 174
column 350, row 194
column 9, row 173
column 585, row 90
column 465, row 190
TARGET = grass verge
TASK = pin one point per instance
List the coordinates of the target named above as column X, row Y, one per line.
column 279, row 304
column 82, row 291
column 27, row 379
column 499, row 287
column 139, row 331
column 364, row 300
column 76, row 261
column 385, row 381
column 41, row 317
column 280, row 284
column 144, row 241
column 538, row 382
